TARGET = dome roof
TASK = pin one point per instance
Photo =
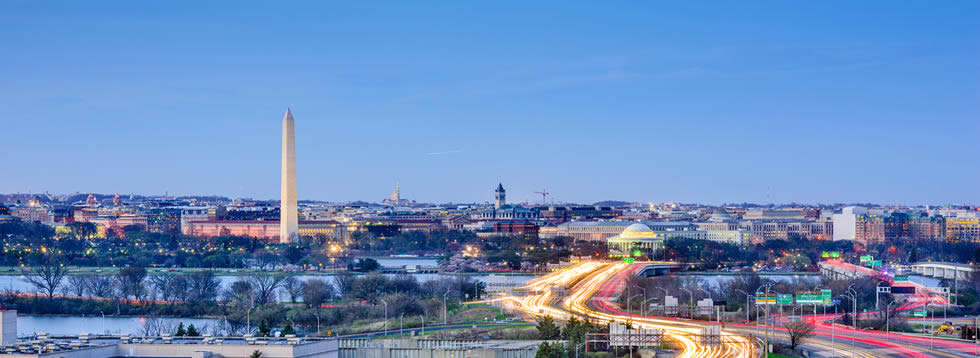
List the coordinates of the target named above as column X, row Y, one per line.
column 720, row 215
column 637, row 228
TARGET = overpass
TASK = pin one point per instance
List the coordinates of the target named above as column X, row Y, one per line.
column 657, row 268
column 837, row 271
column 943, row 270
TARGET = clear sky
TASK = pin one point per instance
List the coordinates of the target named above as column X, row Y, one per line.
column 777, row 101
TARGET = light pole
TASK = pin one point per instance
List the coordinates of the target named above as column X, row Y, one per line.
column 317, row 321
column 103, row 321
column 665, row 298
column 423, row 324
column 690, row 304
column 746, row 304
column 445, row 312
column 887, row 309
column 646, row 306
column 401, row 324
column 386, row 317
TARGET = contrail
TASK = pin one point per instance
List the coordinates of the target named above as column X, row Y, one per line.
column 446, row 152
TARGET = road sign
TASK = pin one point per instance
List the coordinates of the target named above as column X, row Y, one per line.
column 784, row 299
column 905, row 290
column 809, row 299
column 902, row 278
column 827, row 295
column 637, row 253
column 874, row 263
column 765, row 298
column 919, row 313
column 866, row 258
column 629, row 260
column 836, row 302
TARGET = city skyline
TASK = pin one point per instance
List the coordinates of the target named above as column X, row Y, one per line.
column 811, row 105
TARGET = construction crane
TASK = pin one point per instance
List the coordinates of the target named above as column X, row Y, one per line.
column 544, row 195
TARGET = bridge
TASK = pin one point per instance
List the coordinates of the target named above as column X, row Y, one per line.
column 659, row 269
column 410, row 269
column 837, row 271
column 944, row 270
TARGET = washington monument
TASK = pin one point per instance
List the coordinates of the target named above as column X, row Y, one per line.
column 288, row 218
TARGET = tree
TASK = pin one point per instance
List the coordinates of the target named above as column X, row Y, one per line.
column 316, row 292
column 192, row 331
column 798, row 332
column 550, row 350
column 180, row 330
column 46, row 275
column 288, row 329
column 366, row 265
column 131, row 281
column 265, row 287
column 203, row 286
column 263, row 329
column 77, row 285
column 293, row 286
column 547, row 329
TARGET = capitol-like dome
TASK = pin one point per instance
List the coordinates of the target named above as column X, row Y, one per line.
column 637, row 228
column 720, row 215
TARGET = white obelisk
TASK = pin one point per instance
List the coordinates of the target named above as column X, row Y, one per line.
column 288, row 216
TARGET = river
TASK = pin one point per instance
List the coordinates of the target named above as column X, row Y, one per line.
column 73, row 325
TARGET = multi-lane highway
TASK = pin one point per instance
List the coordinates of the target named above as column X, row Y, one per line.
column 587, row 291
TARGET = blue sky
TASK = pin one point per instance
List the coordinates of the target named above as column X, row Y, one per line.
column 820, row 102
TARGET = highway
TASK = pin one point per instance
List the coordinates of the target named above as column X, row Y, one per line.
column 588, row 291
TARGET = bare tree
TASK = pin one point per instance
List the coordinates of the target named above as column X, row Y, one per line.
column 101, row 286
column 132, row 282
column 77, row 285
column 294, row 287
column 203, row 286
column 798, row 332
column 265, row 287
column 171, row 288
column 46, row 275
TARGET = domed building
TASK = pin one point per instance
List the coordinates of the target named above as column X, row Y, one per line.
column 635, row 237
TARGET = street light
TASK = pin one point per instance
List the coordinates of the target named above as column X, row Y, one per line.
column 887, row 309
column 645, row 308
column 690, row 300
column 445, row 312
column 386, row 316
column 746, row 304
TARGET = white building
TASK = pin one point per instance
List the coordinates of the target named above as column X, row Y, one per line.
column 846, row 221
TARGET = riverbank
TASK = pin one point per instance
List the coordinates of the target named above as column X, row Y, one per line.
column 727, row 273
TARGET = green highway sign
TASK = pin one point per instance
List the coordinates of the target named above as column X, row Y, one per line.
column 827, row 296
column 902, row 278
column 637, row 253
column 875, row 263
column 784, row 299
column 866, row 258
column 629, row 260
column 919, row 313
column 809, row 299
